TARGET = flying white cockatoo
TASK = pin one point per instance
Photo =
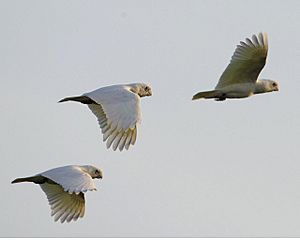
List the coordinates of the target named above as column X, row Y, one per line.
column 118, row 109
column 65, row 188
column 239, row 80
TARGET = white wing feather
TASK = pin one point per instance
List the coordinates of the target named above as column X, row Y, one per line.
column 72, row 178
column 64, row 206
column 246, row 63
column 118, row 112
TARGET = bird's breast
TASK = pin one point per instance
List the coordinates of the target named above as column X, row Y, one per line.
column 240, row 90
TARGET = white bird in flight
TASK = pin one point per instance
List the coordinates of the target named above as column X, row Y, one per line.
column 118, row 110
column 65, row 188
column 239, row 80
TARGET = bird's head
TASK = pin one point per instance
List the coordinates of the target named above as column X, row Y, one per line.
column 93, row 171
column 141, row 89
column 271, row 85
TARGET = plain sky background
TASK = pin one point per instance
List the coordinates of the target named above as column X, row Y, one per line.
column 199, row 168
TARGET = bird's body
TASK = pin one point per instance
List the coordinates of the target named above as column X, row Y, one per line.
column 240, row 78
column 118, row 111
column 65, row 188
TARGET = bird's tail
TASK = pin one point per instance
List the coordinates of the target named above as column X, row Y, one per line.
column 82, row 99
column 35, row 179
column 207, row 94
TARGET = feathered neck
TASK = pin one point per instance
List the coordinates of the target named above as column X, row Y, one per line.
column 261, row 86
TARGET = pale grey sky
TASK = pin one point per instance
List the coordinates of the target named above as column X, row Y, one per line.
column 205, row 168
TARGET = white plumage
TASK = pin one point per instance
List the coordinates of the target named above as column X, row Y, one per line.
column 239, row 80
column 118, row 110
column 65, row 188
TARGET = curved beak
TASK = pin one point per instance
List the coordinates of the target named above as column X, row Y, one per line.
column 100, row 175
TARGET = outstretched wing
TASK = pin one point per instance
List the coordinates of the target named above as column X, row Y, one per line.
column 72, row 179
column 247, row 62
column 118, row 111
column 65, row 206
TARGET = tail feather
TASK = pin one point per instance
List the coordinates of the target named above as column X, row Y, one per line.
column 35, row 179
column 82, row 99
column 207, row 94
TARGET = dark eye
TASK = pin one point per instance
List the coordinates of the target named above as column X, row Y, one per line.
column 274, row 84
column 96, row 172
column 146, row 89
